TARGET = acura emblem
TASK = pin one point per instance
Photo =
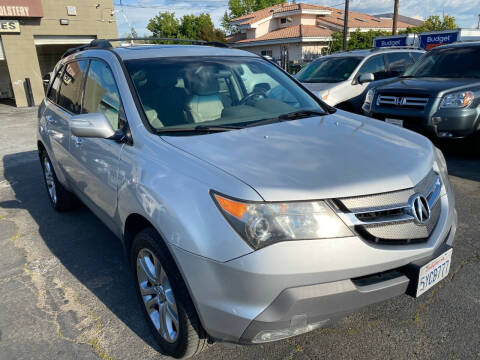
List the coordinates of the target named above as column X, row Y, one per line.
column 419, row 208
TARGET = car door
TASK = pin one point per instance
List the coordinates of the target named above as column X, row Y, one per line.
column 67, row 93
column 95, row 167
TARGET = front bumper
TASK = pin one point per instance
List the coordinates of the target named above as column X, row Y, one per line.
column 294, row 287
column 456, row 123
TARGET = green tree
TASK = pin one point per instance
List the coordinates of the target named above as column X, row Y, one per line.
column 238, row 8
column 435, row 23
column 164, row 25
column 357, row 39
column 188, row 27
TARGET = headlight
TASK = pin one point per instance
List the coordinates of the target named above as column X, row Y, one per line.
column 367, row 104
column 457, row 100
column 369, row 96
column 265, row 223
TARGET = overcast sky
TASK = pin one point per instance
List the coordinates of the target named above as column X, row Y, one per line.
column 465, row 11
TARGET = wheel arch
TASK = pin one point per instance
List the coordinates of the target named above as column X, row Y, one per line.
column 135, row 223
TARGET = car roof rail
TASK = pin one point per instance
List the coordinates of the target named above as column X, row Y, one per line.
column 396, row 47
column 107, row 43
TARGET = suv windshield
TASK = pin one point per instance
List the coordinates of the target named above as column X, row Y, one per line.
column 452, row 62
column 192, row 93
column 329, row 70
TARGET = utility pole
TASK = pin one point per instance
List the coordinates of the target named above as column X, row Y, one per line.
column 345, row 24
column 395, row 17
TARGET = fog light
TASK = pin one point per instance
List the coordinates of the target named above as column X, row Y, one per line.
column 445, row 134
column 274, row 335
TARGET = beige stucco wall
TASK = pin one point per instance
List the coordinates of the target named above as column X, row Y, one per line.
column 294, row 50
column 20, row 50
column 313, row 49
column 309, row 19
column 264, row 28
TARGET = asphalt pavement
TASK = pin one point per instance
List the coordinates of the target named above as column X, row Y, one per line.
column 66, row 291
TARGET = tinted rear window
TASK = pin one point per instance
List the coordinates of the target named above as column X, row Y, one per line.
column 452, row 62
column 400, row 60
column 329, row 69
column 70, row 96
column 53, row 92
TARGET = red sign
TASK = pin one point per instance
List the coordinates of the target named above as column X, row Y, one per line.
column 20, row 8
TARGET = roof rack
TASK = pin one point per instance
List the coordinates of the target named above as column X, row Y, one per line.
column 412, row 47
column 107, row 43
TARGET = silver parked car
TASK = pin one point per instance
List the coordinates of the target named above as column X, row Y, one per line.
column 340, row 78
column 250, row 210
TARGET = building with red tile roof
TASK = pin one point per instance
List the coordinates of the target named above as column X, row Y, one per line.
column 299, row 31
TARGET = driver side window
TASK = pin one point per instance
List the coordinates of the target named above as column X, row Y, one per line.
column 374, row 65
column 101, row 93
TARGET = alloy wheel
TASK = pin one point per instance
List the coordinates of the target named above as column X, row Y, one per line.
column 49, row 180
column 157, row 295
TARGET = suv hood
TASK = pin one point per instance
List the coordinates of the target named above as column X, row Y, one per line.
column 426, row 85
column 332, row 156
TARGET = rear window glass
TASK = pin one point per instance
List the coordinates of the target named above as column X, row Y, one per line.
column 53, row 92
column 401, row 60
column 70, row 96
column 452, row 62
column 329, row 69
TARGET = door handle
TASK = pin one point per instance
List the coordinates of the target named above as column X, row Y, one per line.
column 77, row 141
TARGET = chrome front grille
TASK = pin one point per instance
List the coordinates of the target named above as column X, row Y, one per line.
column 390, row 217
column 402, row 101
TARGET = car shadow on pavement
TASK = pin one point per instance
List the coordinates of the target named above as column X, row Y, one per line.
column 85, row 247
column 463, row 157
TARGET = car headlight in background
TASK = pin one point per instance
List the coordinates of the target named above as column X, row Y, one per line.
column 367, row 104
column 457, row 100
column 265, row 223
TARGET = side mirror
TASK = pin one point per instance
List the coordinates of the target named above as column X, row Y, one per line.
column 94, row 125
column 366, row 78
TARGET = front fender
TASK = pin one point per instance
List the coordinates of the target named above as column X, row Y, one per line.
column 174, row 196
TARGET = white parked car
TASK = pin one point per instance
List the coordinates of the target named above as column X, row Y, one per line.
column 339, row 78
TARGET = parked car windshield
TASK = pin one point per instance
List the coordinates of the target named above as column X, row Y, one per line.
column 186, row 92
column 452, row 62
column 329, row 69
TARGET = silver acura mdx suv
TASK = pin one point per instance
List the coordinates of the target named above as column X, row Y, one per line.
column 250, row 210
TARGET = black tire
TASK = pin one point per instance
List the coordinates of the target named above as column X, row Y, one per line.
column 192, row 338
column 63, row 200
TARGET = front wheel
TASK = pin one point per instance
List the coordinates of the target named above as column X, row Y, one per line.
column 164, row 297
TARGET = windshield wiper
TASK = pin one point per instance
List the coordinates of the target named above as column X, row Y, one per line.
column 199, row 128
column 289, row 116
column 217, row 127
column 301, row 114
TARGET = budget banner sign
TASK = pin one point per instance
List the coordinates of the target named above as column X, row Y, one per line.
column 429, row 41
column 391, row 42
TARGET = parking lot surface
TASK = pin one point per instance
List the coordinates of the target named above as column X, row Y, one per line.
column 67, row 293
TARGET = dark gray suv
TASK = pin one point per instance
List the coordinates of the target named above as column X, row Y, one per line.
column 439, row 95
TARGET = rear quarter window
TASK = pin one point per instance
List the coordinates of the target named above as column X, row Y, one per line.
column 53, row 92
column 70, row 95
